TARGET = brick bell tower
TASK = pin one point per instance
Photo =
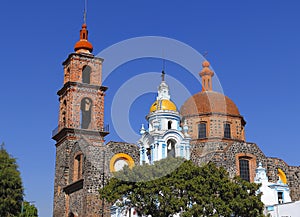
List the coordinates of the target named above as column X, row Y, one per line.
column 79, row 137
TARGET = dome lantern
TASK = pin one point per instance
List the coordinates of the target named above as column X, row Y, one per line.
column 163, row 101
column 206, row 74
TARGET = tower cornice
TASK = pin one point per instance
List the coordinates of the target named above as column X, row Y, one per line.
column 65, row 132
column 82, row 55
column 80, row 85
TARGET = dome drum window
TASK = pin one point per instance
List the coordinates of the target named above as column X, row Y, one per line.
column 227, row 131
column 202, row 130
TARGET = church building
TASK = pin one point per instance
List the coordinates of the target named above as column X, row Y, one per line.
column 207, row 128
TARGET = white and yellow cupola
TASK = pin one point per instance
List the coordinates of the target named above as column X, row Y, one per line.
column 165, row 137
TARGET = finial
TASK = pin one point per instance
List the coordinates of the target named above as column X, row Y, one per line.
column 206, row 75
column 142, row 130
column 185, row 127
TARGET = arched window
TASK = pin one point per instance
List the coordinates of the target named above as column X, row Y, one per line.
column 77, row 172
column 227, row 131
column 86, row 111
column 202, row 130
column 86, row 74
column 171, row 148
column 169, row 125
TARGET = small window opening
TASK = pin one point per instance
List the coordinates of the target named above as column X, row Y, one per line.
column 86, row 75
column 86, row 110
column 280, row 197
column 78, row 167
column 169, row 125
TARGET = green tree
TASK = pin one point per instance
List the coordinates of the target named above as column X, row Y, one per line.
column 28, row 210
column 11, row 189
column 186, row 189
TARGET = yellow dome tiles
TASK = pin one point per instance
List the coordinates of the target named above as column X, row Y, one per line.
column 163, row 104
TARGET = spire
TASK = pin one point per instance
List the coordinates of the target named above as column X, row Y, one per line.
column 85, row 12
column 83, row 45
column 163, row 75
column 163, row 89
column 206, row 75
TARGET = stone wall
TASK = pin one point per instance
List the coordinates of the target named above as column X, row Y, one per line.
column 228, row 154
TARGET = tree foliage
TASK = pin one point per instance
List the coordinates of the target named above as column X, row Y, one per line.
column 11, row 189
column 186, row 189
column 29, row 210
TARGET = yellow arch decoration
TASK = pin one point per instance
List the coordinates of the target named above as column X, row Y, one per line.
column 120, row 156
column 282, row 176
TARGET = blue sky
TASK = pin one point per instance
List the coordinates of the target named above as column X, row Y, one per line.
column 253, row 47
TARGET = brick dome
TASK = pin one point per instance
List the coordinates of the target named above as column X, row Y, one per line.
column 209, row 102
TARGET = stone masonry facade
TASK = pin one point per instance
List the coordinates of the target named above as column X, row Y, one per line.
column 227, row 155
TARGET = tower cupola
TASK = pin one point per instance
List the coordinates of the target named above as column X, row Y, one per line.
column 83, row 45
column 164, row 136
